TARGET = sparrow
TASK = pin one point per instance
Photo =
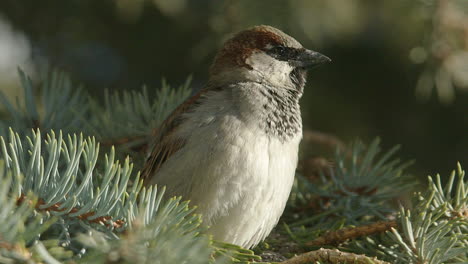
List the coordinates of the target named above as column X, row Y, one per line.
column 232, row 148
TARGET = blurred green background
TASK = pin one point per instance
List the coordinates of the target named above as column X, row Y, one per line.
column 399, row 70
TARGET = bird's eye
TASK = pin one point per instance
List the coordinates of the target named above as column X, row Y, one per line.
column 280, row 50
column 282, row 53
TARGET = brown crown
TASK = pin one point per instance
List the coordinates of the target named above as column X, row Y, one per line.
column 237, row 49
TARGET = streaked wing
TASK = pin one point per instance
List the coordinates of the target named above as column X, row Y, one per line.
column 165, row 144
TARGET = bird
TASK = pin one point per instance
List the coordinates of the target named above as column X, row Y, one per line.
column 232, row 148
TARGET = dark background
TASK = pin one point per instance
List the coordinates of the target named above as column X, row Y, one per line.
column 397, row 72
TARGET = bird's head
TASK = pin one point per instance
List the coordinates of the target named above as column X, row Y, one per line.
column 264, row 54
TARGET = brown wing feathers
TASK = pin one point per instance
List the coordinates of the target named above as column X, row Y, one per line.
column 166, row 145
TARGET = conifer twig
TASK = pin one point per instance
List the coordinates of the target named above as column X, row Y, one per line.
column 344, row 234
column 56, row 208
column 332, row 256
column 19, row 250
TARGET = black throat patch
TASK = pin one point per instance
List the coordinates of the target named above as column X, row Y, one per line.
column 282, row 112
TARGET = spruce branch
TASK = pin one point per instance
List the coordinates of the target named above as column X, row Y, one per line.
column 332, row 256
column 435, row 231
column 357, row 187
column 455, row 197
column 341, row 235
column 126, row 119
column 233, row 253
column 97, row 204
column 431, row 232
column 53, row 175
column 19, row 225
column 354, row 192
column 57, row 207
column 162, row 232
column 426, row 239
column 55, row 104
column 445, row 48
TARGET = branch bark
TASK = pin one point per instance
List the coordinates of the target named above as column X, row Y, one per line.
column 335, row 237
column 332, row 256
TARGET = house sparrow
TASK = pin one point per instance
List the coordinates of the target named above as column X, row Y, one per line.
column 232, row 148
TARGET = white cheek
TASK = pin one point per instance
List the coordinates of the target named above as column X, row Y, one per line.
column 271, row 70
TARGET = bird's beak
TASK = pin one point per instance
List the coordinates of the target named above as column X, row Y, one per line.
column 309, row 58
